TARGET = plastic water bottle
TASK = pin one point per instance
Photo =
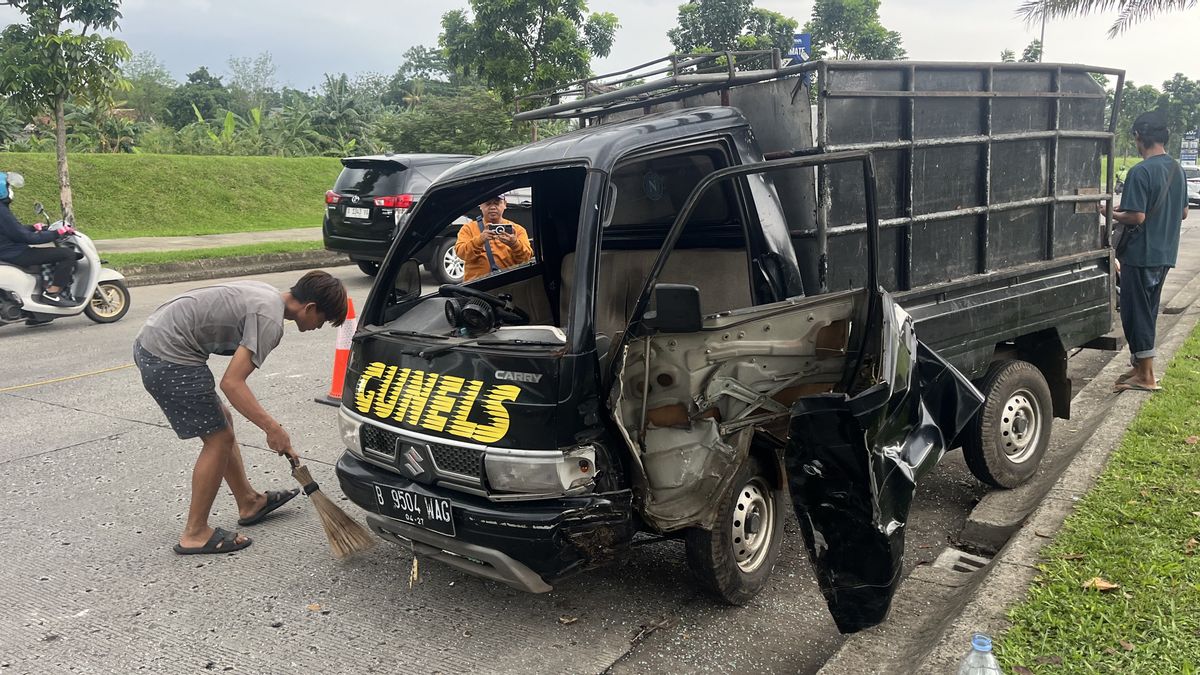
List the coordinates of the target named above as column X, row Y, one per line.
column 981, row 660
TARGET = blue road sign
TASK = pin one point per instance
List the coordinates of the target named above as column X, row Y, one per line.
column 1191, row 148
column 801, row 46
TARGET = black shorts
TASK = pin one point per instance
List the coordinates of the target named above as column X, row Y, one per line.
column 186, row 394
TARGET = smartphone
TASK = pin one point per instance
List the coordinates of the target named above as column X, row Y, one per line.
column 501, row 228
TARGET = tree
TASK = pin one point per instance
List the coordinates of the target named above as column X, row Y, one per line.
column 475, row 121
column 58, row 55
column 518, row 46
column 203, row 91
column 1032, row 53
column 150, row 86
column 851, row 30
column 1129, row 12
column 1181, row 100
column 721, row 25
column 1135, row 100
column 252, row 79
column 1008, row 56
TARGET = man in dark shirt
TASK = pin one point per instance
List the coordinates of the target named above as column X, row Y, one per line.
column 1155, row 203
column 15, row 240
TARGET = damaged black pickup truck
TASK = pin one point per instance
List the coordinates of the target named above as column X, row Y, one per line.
column 707, row 328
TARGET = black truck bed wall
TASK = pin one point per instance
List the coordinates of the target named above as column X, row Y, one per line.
column 977, row 166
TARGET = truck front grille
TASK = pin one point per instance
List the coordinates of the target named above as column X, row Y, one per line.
column 450, row 461
column 458, row 460
column 379, row 443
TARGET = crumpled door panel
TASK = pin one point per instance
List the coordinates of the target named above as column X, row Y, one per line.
column 853, row 462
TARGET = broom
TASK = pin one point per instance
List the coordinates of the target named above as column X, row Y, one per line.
column 345, row 534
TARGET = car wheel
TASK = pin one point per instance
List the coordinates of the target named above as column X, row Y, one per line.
column 1007, row 438
column 733, row 561
column 368, row 267
column 445, row 265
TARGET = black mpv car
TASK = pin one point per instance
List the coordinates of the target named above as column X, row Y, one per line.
column 372, row 199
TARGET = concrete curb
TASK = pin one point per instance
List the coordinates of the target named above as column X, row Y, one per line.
column 937, row 608
column 217, row 268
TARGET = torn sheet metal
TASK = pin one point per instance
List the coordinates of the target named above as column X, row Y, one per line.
column 853, row 463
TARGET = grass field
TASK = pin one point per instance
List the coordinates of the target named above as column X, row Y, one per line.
column 126, row 260
column 1139, row 529
column 178, row 195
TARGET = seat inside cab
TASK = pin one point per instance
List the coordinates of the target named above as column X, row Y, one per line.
column 645, row 196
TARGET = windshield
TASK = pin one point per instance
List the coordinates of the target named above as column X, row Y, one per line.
column 1192, row 172
column 515, row 235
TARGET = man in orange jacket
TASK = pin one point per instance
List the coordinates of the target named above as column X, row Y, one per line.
column 492, row 243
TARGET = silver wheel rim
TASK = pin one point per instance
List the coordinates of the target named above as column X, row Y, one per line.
column 753, row 524
column 1020, row 426
column 453, row 264
column 107, row 301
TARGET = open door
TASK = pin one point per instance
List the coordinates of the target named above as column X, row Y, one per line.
column 866, row 409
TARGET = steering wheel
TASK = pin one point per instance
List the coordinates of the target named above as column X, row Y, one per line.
column 505, row 310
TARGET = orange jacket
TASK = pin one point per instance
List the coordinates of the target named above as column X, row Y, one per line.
column 470, row 248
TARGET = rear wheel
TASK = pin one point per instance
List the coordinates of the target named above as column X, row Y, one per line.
column 109, row 303
column 368, row 267
column 444, row 264
column 1006, row 440
column 733, row 561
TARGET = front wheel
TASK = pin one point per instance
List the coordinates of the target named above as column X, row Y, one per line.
column 368, row 267
column 733, row 561
column 444, row 264
column 1006, row 439
column 109, row 303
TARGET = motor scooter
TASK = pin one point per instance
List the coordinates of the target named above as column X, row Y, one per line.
column 100, row 292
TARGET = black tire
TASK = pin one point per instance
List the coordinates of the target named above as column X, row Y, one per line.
column 713, row 555
column 368, row 267
column 445, row 266
column 1005, row 441
column 109, row 303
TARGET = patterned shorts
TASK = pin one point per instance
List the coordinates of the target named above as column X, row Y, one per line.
column 186, row 394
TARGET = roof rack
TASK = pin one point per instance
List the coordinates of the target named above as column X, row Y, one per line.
column 675, row 77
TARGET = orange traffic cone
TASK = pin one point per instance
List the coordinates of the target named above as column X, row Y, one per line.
column 341, row 356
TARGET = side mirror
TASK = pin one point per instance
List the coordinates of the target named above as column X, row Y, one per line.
column 676, row 309
column 408, row 280
column 39, row 209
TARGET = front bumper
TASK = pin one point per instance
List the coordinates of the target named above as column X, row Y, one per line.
column 527, row 545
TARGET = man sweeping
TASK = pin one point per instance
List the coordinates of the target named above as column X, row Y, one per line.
column 242, row 319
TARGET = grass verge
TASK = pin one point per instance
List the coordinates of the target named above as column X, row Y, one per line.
column 126, row 260
column 1139, row 529
column 178, row 195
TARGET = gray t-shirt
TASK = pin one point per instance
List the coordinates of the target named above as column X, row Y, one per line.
column 216, row 320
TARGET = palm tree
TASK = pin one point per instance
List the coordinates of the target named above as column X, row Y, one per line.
column 1129, row 12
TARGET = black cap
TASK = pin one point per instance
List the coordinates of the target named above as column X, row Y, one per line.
column 1154, row 120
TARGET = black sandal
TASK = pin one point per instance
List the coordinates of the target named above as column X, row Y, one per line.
column 275, row 499
column 220, row 542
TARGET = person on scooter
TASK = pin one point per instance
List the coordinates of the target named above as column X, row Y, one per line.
column 16, row 238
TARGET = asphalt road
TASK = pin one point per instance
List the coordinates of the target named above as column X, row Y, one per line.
column 93, row 492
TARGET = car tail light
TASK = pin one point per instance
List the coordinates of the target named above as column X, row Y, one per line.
column 394, row 201
column 332, row 197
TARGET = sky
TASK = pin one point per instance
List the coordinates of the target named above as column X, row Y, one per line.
column 307, row 38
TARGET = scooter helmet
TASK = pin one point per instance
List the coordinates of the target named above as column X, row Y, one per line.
column 8, row 181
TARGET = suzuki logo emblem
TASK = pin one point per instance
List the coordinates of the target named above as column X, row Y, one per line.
column 412, row 461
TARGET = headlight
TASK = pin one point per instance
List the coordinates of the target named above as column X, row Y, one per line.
column 350, row 429
column 550, row 472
